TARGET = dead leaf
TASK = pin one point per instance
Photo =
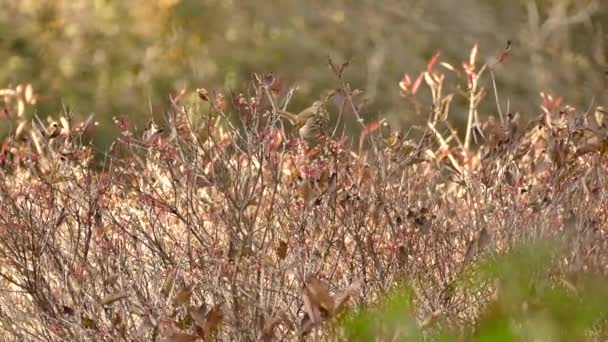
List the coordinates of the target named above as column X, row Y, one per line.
column 183, row 296
column 111, row 280
column 145, row 325
column 270, row 324
column 198, row 315
column 282, row 249
column 88, row 323
column 431, row 320
column 203, row 94
column 317, row 299
column 214, row 317
column 177, row 336
column 111, row 298
column 343, row 296
column 306, row 325
column 168, row 284
column 471, row 251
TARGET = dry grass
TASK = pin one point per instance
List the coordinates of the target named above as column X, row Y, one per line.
column 230, row 228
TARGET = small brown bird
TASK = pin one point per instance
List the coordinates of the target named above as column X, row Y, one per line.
column 311, row 121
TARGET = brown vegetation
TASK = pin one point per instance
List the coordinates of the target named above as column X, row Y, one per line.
column 229, row 227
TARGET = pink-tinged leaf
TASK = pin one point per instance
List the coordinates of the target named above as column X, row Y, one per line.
column 449, row 67
column 417, row 83
column 405, row 82
column 429, row 80
column 220, row 101
column 371, row 127
column 7, row 92
column 504, row 54
column 341, row 142
column 473, row 56
column 502, row 57
column 275, row 139
column 20, row 108
column 550, row 104
column 29, row 93
column 432, row 61
column 438, row 77
column 543, row 95
column 468, row 70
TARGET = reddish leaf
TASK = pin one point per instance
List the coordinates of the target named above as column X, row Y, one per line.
column 504, row 54
column 432, row 61
column 371, row 127
column 417, row 83
column 405, row 83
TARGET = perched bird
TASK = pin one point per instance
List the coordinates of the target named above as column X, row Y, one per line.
column 311, row 121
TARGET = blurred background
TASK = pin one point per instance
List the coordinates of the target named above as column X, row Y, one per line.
column 125, row 57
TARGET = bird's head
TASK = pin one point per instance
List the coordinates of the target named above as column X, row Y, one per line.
column 316, row 106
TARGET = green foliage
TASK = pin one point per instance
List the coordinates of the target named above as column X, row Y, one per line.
column 391, row 316
column 532, row 302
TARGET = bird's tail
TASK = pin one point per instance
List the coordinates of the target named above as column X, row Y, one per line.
column 293, row 118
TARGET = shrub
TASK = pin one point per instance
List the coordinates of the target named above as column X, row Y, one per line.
column 220, row 223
